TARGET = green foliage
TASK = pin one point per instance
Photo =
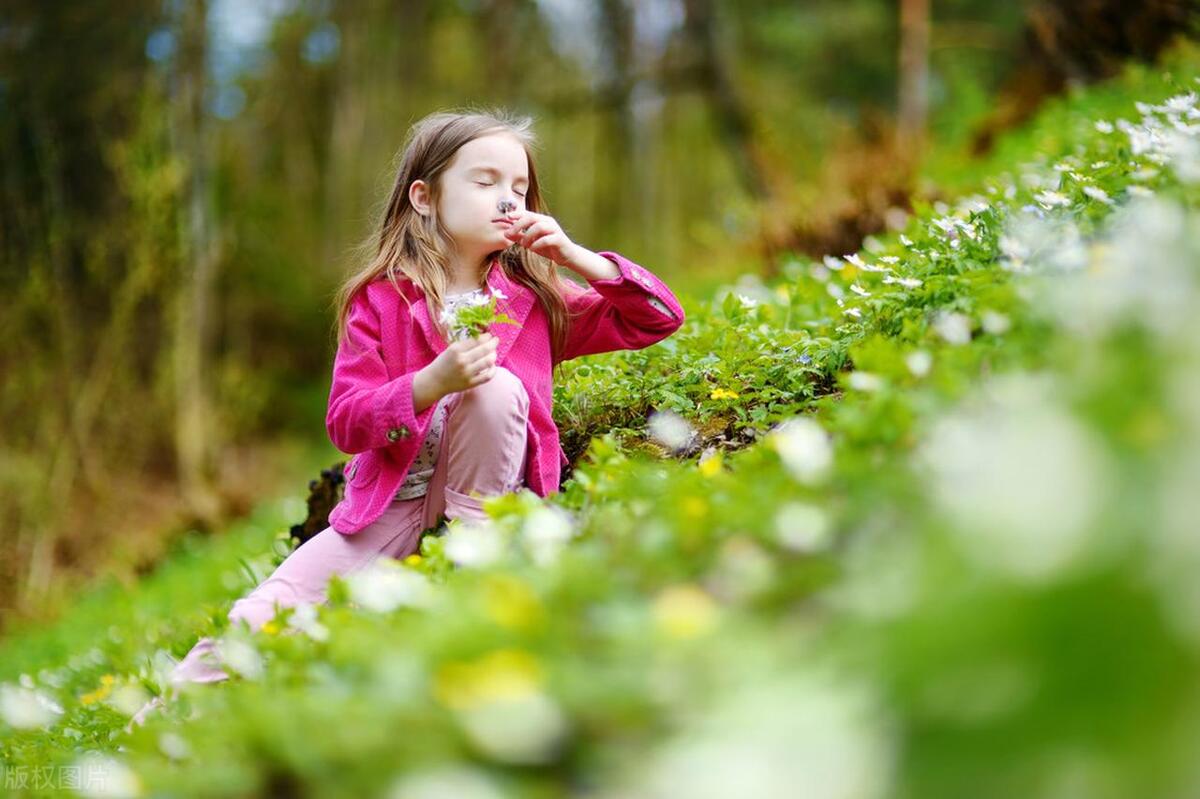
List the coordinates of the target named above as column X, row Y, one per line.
column 939, row 543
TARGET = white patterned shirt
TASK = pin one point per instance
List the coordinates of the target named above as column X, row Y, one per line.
column 416, row 482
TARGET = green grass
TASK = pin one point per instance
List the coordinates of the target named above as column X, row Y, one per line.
column 962, row 566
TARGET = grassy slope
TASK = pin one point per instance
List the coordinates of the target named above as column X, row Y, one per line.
column 681, row 586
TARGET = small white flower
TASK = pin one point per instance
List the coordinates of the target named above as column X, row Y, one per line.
column 865, row 381
column 498, row 294
column 384, row 585
column 26, row 707
column 804, row 447
column 669, row 429
column 528, row 728
column 855, row 312
column 1098, row 194
column 473, row 544
column 919, row 362
column 747, row 302
column 995, row 324
column 889, row 259
column 802, row 527
column 833, row 263
column 546, row 531
column 241, row 656
column 439, row 782
column 905, row 240
column 954, row 327
column 304, row 619
column 859, row 290
column 1052, row 199
column 855, row 260
column 101, row 775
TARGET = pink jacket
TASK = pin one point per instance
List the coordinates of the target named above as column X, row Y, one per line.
column 370, row 413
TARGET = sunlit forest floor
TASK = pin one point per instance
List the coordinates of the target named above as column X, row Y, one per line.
column 913, row 521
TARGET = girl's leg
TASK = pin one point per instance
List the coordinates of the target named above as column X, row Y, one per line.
column 303, row 578
column 482, row 449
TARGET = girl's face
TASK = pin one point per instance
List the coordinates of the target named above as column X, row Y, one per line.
column 484, row 172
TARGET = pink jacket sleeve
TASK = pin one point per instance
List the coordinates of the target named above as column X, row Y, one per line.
column 367, row 409
column 627, row 312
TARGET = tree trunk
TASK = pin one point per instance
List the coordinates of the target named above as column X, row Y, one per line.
column 195, row 431
column 914, row 75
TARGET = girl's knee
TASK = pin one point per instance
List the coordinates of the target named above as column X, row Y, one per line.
column 503, row 391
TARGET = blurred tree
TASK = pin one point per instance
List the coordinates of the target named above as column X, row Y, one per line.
column 1080, row 41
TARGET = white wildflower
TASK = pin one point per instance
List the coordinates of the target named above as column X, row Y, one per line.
column 472, row 544
column 1104, row 127
column 804, row 447
column 528, row 728
column 304, row 619
column 855, row 312
column 919, row 362
column 545, row 531
column 952, row 326
column 995, row 324
column 241, row 656
column 865, row 381
column 1180, row 103
column 26, row 707
column 859, row 290
column 1019, row 477
column 805, row 733
column 384, row 585
column 833, row 263
column 439, row 782
column 669, row 429
column 1098, row 194
column 1052, row 199
column 100, row 775
column 802, row 527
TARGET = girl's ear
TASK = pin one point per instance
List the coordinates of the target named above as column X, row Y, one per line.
column 418, row 197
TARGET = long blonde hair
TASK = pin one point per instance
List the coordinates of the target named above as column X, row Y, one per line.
column 407, row 244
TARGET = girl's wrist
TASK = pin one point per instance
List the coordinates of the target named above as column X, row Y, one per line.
column 426, row 389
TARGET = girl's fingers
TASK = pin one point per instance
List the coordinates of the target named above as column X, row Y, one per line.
column 534, row 233
column 482, row 361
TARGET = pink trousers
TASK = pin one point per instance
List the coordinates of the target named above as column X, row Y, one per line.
column 482, row 453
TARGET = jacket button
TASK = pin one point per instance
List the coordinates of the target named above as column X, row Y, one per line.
column 397, row 433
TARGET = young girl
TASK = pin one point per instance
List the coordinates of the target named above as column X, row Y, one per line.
column 436, row 427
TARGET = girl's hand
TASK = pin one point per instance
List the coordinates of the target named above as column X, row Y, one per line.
column 465, row 364
column 541, row 234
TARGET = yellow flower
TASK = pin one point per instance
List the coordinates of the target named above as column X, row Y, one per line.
column 684, row 611
column 695, row 507
column 413, row 560
column 710, row 466
column 723, row 393
column 106, row 684
column 498, row 675
column 270, row 627
column 511, row 603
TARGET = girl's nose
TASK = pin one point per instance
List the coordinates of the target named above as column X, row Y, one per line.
column 507, row 206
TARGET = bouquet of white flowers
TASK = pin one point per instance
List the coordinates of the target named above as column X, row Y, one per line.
column 475, row 316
